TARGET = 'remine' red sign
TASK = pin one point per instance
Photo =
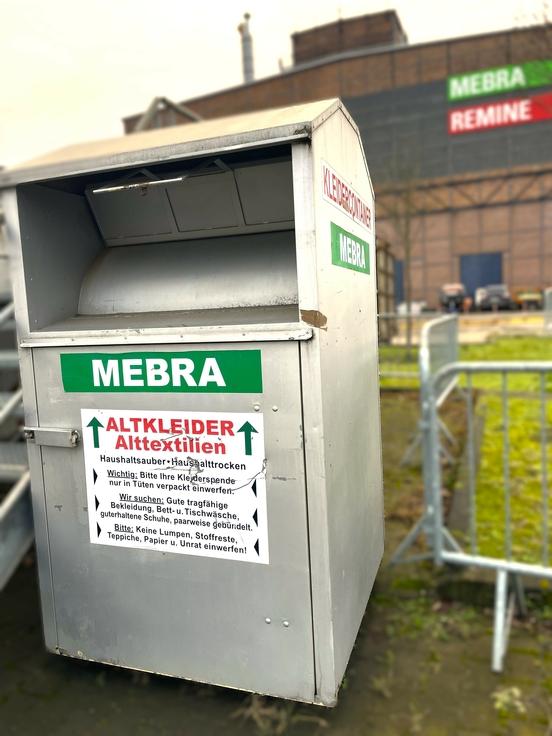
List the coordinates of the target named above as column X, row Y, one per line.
column 518, row 111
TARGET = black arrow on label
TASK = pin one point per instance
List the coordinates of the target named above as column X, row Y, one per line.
column 97, row 502
column 256, row 546
column 95, row 477
column 254, row 487
column 254, row 517
column 98, row 527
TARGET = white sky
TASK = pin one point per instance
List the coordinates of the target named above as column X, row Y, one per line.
column 71, row 69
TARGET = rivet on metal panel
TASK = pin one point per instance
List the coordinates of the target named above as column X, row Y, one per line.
column 274, row 408
column 285, row 623
column 268, row 620
column 257, row 407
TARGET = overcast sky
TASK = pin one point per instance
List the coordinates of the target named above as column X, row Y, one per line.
column 70, row 70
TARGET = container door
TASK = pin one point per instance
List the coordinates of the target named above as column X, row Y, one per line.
column 198, row 570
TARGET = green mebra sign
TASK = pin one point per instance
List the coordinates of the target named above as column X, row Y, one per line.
column 194, row 371
column 500, row 79
column 348, row 250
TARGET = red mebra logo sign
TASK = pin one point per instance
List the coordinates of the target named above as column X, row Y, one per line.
column 499, row 114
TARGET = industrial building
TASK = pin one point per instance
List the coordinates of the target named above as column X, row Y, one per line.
column 457, row 133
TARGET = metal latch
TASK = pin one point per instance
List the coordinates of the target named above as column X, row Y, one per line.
column 52, row 436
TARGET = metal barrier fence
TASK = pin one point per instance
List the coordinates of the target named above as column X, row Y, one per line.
column 438, row 347
column 507, row 513
column 547, row 310
column 440, row 344
column 16, row 525
column 393, row 325
column 392, row 331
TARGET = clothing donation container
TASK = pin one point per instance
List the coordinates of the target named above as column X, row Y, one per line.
column 196, row 316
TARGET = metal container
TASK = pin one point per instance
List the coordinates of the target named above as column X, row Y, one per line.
column 196, row 311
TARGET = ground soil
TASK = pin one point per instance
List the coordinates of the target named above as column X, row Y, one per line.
column 421, row 664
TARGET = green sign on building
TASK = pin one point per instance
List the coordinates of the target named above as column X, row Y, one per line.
column 500, row 79
column 349, row 251
column 195, row 371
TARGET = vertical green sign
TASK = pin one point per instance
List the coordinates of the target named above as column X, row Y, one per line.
column 349, row 251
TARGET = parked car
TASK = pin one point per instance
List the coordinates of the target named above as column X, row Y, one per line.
column 452, row 297
column 528, row 298
column 494, row 297
column 416, row 308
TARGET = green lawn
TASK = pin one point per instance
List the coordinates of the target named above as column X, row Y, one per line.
column 398, row 359
column 510, row 348
column 528, row 422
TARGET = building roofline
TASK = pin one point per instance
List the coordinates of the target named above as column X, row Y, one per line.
column 346, row 20
column 345, row 56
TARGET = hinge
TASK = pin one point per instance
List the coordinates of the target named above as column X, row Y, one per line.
column 52, row 436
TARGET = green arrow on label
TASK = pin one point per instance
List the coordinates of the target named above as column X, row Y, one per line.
column 95, row 424
column 247, row 430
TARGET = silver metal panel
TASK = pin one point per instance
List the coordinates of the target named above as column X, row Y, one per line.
column 199, row 325
column 59, row 241
column 206, row 202
column 246, row 271
column 274, row 318
column 237, row 333
column 341, row 413
column 38, row 499
column 307, row 273
column 128, row 213
column 168, row 209
column 219, row 232
column 193, row 617
column 52, row 436
column 265, row 192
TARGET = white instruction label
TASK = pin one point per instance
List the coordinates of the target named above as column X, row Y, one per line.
column 172, row 481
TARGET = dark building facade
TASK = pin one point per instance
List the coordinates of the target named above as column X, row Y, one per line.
column 458, row 137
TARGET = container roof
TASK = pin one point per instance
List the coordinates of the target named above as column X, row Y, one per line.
column 176, row 142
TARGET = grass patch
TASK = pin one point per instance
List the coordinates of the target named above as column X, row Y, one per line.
column 511, row 348
column 514, row 459
column 527, row 510
column 398, row 359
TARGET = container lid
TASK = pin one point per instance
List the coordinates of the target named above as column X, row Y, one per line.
column 176, row 142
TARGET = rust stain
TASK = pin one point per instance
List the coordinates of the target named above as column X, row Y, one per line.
column 314, row 318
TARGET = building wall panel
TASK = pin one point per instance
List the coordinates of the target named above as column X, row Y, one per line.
column 398, row 99
column 495, row 219
column 527, row 271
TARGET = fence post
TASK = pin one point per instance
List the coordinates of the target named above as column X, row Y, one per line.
column 547, row 310
column 435, row 507
column 438, row 333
